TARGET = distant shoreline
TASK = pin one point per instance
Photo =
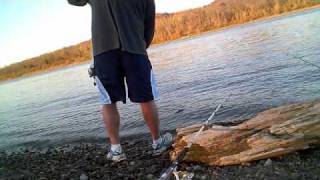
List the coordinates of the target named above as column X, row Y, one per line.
column 243, row 24
column 49, row 70
column 53, row 68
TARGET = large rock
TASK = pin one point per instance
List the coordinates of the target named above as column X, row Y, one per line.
column 271, row 133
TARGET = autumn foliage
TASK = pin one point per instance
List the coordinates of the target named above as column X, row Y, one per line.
column 219, row 14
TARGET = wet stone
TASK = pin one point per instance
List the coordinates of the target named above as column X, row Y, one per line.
column 150, row 176
column 303, row 168
column 64, row 176
column 204, row 177
column 196, row 168
column 268, row 162
column 188, row 168
column 84, row 177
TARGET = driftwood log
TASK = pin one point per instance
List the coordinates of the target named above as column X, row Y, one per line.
column 271, row 133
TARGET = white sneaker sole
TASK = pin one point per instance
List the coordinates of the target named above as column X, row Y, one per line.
column 117, row 158
column 160, row 151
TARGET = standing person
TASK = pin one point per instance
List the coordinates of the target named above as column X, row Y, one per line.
column 122, row 30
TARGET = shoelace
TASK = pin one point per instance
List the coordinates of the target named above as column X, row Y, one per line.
column 159, row 144
column 115, row 153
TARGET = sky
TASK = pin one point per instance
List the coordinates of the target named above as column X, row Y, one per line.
column 29, row 28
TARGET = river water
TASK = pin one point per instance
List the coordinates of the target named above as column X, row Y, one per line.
column 254, row 66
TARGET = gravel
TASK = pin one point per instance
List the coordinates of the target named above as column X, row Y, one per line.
column 87, row 161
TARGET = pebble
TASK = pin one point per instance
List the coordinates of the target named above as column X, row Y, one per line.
column 64, row 176
column 204, row 177
column 153, row 169
column 150, row 176
column 73, row 165
column 131, row 143
column 188, row 168
column 268, row 162
column 197, row 168
column 246, row 164
column 84, row 177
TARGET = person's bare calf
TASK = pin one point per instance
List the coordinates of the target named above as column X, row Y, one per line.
column 150, row 114
column 112, row 122
column 111, row 119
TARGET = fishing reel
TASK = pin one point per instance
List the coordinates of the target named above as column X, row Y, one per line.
column 177, row 175
column 92, row 72
column 183, row 175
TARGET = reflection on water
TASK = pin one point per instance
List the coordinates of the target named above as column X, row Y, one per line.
column 253, row 65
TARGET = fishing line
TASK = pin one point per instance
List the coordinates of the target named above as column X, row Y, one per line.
column 173, row 168
column 305, row 61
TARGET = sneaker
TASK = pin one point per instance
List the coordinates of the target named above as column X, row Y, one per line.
column 116, row 156
column 163, row 144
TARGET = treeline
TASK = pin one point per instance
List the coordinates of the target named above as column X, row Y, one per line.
column 66, row 56
column 219, row 14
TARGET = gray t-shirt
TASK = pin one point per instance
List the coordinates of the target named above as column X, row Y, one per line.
column 125, row 24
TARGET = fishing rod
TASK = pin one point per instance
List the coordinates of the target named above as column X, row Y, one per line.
column 173, row 168
column 168, row 173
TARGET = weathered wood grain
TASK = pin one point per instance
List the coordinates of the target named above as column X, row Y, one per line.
column 271, row 133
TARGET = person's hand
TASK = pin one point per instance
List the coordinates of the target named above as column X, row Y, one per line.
column 91, row 70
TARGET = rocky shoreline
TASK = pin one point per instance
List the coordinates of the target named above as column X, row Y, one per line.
column 87, row 161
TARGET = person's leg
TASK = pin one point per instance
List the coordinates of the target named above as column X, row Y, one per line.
column 110, row 83
column 150, row 114
column 111, row 119
column 142, row 89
